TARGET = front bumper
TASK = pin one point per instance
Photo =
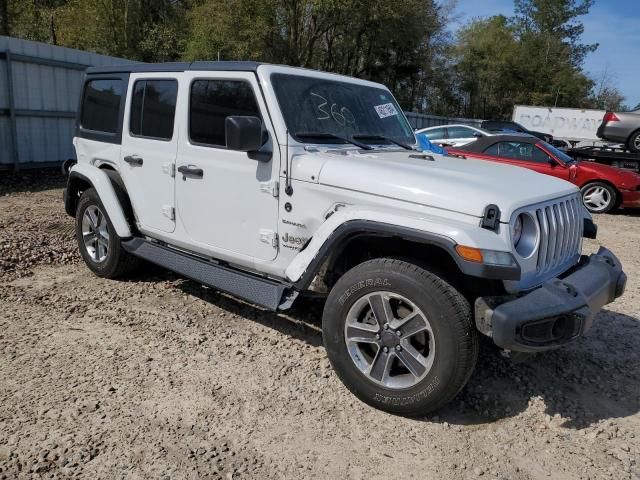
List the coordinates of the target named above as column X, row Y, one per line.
column 558, row 311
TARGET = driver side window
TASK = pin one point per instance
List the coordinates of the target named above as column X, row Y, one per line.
column 211, row 102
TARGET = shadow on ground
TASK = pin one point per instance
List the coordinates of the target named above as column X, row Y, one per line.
column 593, row 379
column 36, row 180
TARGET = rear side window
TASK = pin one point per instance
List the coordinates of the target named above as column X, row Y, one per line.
column 518, row 151
column 212, row 101
column 493, row 150
column 101, row 105
column 459, row 132
column 435, row 134
column 153, row 108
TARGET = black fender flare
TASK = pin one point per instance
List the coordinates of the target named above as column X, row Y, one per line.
column 346, row 232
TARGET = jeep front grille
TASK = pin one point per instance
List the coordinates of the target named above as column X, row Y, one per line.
column 561, row 223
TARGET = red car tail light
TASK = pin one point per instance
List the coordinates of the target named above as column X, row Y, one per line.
column 610, row 117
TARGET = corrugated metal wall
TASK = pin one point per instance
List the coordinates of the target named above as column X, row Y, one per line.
column 39, row 90
column 420, row 120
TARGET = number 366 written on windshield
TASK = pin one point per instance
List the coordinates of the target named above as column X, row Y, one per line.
column 341, row 115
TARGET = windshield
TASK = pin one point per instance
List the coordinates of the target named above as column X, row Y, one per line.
column 339, row 109
column 559, row 154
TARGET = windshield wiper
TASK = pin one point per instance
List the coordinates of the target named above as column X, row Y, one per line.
column 331, row 135
column 382, row 137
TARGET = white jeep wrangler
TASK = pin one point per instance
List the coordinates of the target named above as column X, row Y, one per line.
column 263, row 181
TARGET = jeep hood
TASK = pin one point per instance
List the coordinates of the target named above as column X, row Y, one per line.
column 448, row 183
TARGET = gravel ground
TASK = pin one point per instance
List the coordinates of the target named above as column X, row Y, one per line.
column 159, row 377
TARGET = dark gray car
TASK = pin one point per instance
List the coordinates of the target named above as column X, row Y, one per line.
column 621, row 127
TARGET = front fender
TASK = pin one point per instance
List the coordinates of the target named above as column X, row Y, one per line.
column 443, row 232
column 101, row 182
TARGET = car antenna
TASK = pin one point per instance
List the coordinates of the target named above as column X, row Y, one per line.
column 288, row 188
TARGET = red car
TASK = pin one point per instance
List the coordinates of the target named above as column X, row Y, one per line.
column 604, row 188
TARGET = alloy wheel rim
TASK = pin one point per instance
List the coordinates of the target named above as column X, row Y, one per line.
column 597, row 198
column 95, row 234
column 636, row 142
column 390, row 340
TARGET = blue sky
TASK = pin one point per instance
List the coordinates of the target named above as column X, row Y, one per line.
column 614, row 24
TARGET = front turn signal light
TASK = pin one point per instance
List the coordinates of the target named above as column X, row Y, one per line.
column 470, row 254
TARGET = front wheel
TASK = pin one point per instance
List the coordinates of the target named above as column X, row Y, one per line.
column 399, row 337
column 599, row 197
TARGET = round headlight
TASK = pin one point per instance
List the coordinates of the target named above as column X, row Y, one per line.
column 517, row 231
column 525, row 235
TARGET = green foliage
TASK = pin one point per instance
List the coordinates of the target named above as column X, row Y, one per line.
column 534, row 57
column 374, row 39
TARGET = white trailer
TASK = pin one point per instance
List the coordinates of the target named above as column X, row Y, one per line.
column 572, row 124
column 578, row 127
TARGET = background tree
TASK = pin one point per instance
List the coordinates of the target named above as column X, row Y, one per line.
column 488, row 69
column 4, row 17
column 394, row 43
column 534, row 57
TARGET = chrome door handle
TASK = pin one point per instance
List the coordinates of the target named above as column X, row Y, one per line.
column 191, row 171
column 133, row 160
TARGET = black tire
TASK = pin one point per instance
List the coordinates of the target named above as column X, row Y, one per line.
column 611, row 196
column 117, row 261
column 633, row 143
column 449, row 315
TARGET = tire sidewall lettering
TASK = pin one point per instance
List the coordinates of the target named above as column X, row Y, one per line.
column 408, row 400
column 367, row 283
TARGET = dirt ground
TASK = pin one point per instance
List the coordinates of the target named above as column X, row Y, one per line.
column 159, row 377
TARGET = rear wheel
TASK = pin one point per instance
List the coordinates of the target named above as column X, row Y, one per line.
column 399, row 337
column 634, row 142
column 98, row 241
column 599, row 197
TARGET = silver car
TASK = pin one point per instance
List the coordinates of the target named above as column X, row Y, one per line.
column 621, row 127
column 453, row 135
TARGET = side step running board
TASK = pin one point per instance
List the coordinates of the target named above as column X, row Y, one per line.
column 260, row 291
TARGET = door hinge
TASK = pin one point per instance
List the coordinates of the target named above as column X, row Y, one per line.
column 169, row 212
column 169, row 169
column 272, row 188
column 269, row 237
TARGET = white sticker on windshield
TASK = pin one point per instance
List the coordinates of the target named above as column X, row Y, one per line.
column 386, row 110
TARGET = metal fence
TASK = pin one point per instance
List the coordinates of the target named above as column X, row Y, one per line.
column 420, row 120
column 39, row 90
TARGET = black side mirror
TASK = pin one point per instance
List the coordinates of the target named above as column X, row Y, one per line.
column 478, row 135
column 243, row 134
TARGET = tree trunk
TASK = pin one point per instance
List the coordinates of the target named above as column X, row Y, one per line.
column 4, row 17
